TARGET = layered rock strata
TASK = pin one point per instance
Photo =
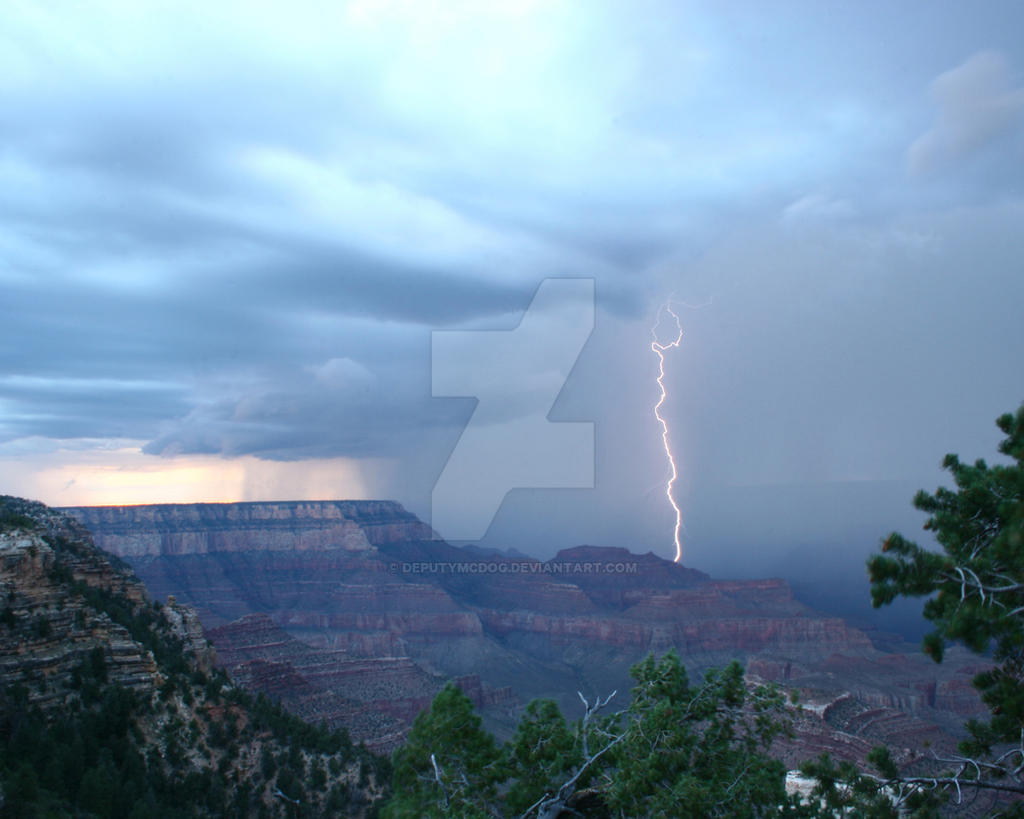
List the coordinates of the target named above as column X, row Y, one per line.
column 365, row 580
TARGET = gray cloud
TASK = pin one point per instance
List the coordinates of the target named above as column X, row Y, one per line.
column 314, row 417
column 84, row 408
column 232, row 232
column 977, row 104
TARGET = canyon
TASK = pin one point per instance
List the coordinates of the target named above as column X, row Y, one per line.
column 355, row 612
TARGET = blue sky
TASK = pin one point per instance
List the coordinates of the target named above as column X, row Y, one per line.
column 227, row 232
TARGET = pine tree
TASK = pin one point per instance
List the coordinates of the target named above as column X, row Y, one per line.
column 449, row 766
column 976, row 596
column 698, row 751
column 541, row 755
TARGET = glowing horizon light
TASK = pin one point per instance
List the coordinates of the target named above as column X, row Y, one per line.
column 659, row 350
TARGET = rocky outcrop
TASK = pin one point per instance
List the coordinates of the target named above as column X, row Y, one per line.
column 903, row 701
column 58, row 592
column 50, row 633
column 184, row 624
column 87, row 657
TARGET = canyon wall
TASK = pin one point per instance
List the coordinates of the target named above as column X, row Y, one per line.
column 354, row 612
column 209, row 528
column 53, row 584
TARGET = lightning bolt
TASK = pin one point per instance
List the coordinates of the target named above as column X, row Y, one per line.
column 659, row 350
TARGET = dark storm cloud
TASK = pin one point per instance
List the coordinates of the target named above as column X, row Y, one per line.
column 312, row 422
column 231, row 229
column 231, row 352
column 85, row 409
column 347, row 283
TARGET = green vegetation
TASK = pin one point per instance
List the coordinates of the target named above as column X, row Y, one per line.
column 96, row 758
column 701, row 747
column 144, row 624
column 11, row 519
column 449, row 765
column 975, row 590
column 676, row 750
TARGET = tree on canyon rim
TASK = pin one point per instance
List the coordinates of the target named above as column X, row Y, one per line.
column 677, row 750
column 976, row 596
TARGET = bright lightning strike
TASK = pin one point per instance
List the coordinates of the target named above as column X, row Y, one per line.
column 659, row 350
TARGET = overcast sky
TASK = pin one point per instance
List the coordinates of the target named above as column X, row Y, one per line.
column 227, row 231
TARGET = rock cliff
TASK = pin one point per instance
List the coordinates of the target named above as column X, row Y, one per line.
column 212, row 528
column 297, row 595
column 110, row 705
column 51, row 628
